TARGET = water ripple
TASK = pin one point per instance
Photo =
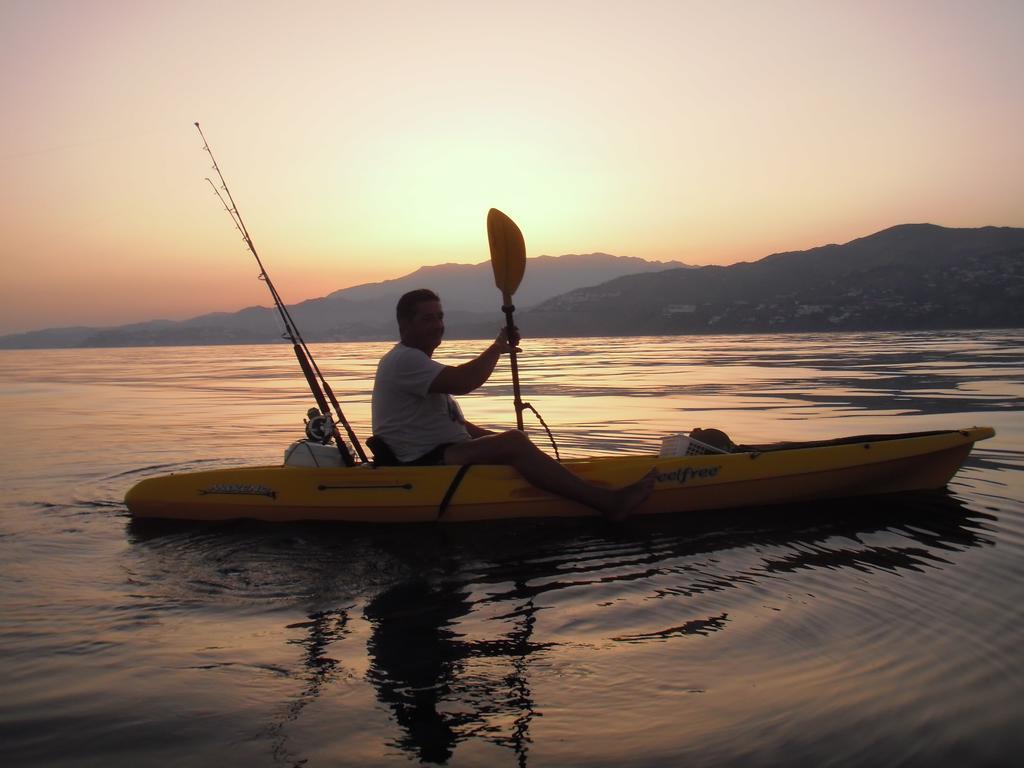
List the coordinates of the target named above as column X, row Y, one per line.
column 880, row 631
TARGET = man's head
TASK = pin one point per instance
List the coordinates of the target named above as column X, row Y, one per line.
column 420, row 320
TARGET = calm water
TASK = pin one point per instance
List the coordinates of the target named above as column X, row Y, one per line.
column 881, row 632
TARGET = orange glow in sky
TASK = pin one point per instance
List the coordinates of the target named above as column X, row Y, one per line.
column 364, row 140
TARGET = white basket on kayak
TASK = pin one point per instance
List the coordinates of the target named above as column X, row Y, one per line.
column 308, row 453
column 681, row 445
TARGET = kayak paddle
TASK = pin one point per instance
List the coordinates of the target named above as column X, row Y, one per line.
column 508, row 259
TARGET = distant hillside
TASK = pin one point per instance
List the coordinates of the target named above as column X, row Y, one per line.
column 471, row 301
column 470, row 288
column 914, row 276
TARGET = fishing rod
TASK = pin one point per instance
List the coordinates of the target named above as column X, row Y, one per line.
column 317, row 383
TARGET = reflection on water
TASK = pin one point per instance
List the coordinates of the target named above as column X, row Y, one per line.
column 874, row 632
column 452, row 648
column 422, row 669
column 320, row 631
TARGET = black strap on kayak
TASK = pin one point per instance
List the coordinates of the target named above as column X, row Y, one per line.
column 456, row 481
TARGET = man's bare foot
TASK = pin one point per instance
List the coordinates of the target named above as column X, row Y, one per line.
column 625, row 500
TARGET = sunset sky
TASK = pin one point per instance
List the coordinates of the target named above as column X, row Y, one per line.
column 363, row 140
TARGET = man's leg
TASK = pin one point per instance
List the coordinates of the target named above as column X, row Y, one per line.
column 515, row 449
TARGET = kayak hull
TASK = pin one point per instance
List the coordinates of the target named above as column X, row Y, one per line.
column 760, row 476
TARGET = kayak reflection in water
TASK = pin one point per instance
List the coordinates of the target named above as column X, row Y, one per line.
column 416, row 421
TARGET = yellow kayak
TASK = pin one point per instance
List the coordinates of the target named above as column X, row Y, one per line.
column 751, row 477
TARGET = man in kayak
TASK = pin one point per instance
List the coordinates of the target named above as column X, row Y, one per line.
column 415, row 414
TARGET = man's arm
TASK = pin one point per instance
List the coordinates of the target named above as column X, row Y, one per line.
column 463, row 379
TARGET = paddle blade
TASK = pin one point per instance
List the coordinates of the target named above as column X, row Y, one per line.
column 508, row 252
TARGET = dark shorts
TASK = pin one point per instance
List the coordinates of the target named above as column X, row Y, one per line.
column 431, row 458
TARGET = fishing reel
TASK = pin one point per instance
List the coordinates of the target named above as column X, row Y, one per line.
column 319, row 426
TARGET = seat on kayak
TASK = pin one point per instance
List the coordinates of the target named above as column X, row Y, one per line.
column 383, row 456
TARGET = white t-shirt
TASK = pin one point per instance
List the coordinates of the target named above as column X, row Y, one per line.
column 408, row 417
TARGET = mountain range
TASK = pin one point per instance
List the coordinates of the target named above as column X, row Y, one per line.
column 362, row 312
column 911, row 276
